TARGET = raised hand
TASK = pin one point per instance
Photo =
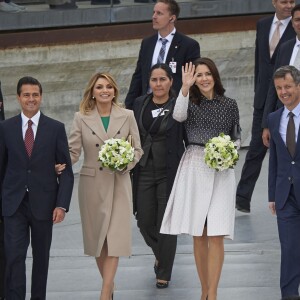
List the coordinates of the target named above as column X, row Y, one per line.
column 188, row 77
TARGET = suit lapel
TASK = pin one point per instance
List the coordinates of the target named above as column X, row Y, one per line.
column 175, row 45
column 39, row 134
column 277, row 136
column 150, row 50
column 19, row 134
column 265, row 37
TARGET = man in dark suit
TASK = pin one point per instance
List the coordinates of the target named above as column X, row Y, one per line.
column 284, row 175
column 168, row 46
column 33, row 196
column 287, row 55
column 2, row 253
column 265, row 53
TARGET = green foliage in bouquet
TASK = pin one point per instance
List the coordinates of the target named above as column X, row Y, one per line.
column 221, row 153
column 116, row 154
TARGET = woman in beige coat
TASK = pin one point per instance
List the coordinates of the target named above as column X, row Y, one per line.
column 105, row 197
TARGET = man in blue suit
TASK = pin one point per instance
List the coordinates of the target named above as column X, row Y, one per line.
column 179, row 49
column 287, row 54
column 284, row 175
column 33, row 196
column 265, row 55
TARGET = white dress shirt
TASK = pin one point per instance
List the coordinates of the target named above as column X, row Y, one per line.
column 294, row 54
column 159, row 44
column 35, row 122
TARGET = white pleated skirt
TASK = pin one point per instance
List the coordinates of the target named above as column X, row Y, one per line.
column 200, row 193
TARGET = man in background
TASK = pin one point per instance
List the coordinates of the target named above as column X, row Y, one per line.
column 271, row 33
column 167, row 46
column 288, row 54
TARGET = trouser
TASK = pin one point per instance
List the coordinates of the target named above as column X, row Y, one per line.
column 16, row 242
column 254, row 159
column 288, row 221
column 151, row 204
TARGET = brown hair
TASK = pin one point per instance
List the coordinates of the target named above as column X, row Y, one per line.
column 174, row 8
column 195, row 93
column 87, row 103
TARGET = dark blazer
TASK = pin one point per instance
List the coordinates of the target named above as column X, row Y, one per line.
column 283, row 58
column 264, row 65
column 182, row 49
column 37, row 174
column 175, row 137
column 283, row 169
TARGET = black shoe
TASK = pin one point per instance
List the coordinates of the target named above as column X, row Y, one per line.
column 104, row 2
column 242, row 204
column 162, row 285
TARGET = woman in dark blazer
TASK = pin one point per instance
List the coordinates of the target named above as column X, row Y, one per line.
column 163, row 143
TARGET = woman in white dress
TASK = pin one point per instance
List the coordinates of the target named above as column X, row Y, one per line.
column 202, row 201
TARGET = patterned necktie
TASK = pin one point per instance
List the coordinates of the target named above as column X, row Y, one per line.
column 296, row 63
column 29, row 138
column 275, row 38
column 290, row 134
column 162, row 51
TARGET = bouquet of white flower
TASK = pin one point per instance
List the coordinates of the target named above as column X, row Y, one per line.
column 221, row 153
column 116, row 154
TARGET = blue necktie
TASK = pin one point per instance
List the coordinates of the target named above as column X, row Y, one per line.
column 162, row 51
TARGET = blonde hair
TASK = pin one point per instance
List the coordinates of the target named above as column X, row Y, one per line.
column 87, row 103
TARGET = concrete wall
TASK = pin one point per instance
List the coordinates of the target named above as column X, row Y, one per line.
column 65, row 70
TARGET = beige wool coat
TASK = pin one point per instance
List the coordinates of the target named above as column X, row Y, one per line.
column 105, row 197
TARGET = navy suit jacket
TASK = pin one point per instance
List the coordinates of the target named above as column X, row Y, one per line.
column 283, row 169
column 264, row 64
column 182, row 49
column 283, row 58
column 18, row 172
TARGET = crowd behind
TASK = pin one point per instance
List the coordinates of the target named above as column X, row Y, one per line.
column 175, row 104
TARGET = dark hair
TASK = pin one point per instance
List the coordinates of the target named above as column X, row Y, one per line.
column 284, row 70
column 28, row 80
column 169, row 74
column 296, row 8
column 195, row 93
column 174, row 8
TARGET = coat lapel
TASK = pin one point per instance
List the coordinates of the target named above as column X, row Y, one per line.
column 117, row 120
column 93, row 121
